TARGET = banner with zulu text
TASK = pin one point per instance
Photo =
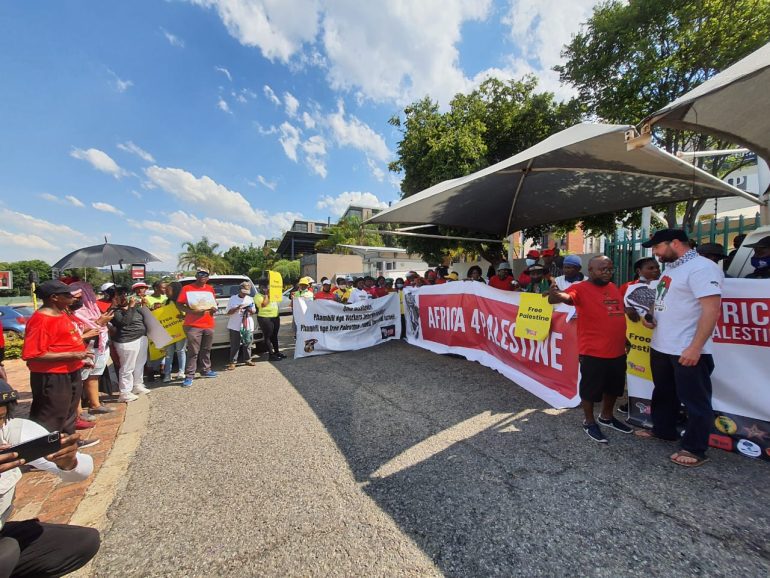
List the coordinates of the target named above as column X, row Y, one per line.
column 325, row 326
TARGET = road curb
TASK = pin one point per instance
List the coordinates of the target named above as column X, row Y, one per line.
column 112, row 478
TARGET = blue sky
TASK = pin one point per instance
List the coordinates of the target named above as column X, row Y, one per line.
column 156, row 122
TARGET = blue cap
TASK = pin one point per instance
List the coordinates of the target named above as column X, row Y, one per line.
column 573, row 260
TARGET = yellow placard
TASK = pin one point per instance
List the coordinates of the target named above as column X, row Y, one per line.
column 638, row 358
column 276, row 286
column 534, row 318
column 169, row 318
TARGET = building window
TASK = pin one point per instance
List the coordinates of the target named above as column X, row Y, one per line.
column 300, row 227
column 389, row 266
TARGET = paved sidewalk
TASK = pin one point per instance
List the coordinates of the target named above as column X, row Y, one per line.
column 43, row 495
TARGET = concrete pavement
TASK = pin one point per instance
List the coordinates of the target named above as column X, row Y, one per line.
column 396, row 461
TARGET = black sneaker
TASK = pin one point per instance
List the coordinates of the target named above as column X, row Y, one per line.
column 87, row 443
column 623, row 409
column 615, row 424
column 594, row 432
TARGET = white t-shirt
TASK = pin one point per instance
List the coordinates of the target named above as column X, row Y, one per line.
column 677, row 309
column 357, row 295
column 562, row 283
column 236, row 319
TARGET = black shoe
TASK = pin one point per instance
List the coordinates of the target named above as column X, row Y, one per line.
column 274, row 357
column 280, row 355
column 623, row 409
column 615, row 424
column 594, row 432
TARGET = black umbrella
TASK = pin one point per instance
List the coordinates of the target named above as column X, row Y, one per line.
column 103, row 255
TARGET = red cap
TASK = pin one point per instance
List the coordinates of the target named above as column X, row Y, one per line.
column 547, row 253
column 534, row 254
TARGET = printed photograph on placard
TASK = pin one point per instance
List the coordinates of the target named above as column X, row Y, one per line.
column 201, row 300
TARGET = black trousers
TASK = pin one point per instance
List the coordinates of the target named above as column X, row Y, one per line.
column 55, row 398
column 34, row 548
column 270, row 327
column 675, row 383
column 238, row 349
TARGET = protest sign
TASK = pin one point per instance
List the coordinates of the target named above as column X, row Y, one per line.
column 741, row 388
column 201, row 300
column 168, row 317
column 326, row 326
column 276, row 286
column 479, row 323
column 534, row 318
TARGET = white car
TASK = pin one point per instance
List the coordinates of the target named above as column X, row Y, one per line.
column 741, row 266
column 225, row 286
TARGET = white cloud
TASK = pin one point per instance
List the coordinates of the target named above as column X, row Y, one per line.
column 51, row 198
column 308, row 120
column 265, row 183
column 118, row 83
column 68, row 199
column 206, row 194
column 34, row 225
column 377, row 171
column 356, row 134
column 541, row 28
column 315, row 154
column 74, row 201
column 399, row 50
column 290, row 138
column 224, row 71
column 277, row 28
column 130, row 147
column 223, row 106
column 99, row 160
column 291, row 103
column 271, row 96
column 337, row 205
column 173, row 40
column 25, row 241
column 158, row 241
column 106, row 208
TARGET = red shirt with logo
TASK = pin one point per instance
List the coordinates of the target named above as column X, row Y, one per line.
column 324, row 295
column 202, row 319
column 601, row 321
column 51, row 334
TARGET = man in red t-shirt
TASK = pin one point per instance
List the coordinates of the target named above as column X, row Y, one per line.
column 54, row 351
column 325, row 292
column 601, row 333
column 503, row 280
column 198, row 325
column 2, row 353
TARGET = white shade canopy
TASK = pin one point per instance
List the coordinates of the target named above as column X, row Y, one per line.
column 733, row 105
column 581, row 171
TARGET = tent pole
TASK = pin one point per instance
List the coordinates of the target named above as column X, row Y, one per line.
column 524, row 172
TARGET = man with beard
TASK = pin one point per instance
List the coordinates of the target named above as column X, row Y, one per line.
column 601, row 333
column 687, row 307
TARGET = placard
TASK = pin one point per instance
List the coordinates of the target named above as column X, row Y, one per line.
column 534, row 318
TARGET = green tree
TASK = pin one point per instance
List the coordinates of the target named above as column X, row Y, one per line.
column 20, row 271
column 203, row 254
column 495, row 121
column 289, row 270
column 243, row 259
column 632, row 58
column 349, row 231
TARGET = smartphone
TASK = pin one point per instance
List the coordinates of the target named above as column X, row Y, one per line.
column 37, row 448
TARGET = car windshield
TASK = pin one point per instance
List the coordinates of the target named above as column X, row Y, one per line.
column 224, row 288
column 24, row 310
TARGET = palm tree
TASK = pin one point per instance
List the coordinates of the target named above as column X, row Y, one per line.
column 349, row 231
column 203, row 254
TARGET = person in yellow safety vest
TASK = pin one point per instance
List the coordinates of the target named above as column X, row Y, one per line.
column 342, row 292
column 303, row 289
column 268, row 319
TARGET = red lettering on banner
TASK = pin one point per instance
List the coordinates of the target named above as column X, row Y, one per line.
column 744, row 321
column 474, row 322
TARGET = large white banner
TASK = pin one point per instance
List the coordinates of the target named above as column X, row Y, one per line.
column 325, row 326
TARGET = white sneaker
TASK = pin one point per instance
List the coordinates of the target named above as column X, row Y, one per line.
column 127, row 397
column 140, row 390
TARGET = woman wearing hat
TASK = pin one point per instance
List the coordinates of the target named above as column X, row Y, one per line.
column 130, row 340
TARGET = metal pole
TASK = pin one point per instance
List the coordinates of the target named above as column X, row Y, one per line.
column 763, row 179
column 645, row 232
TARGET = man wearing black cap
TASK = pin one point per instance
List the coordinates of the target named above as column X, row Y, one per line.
column 32, row 547
column 760, row 260
column 55, row 353
column 687, row 307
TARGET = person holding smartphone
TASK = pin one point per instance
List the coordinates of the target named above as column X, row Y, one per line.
column 130, row 341
column 240, row 308
column 31, row 547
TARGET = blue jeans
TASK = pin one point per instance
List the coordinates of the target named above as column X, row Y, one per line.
column 675, row 383
column 179, row 348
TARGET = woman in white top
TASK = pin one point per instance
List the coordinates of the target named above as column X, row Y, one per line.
column 240, row 308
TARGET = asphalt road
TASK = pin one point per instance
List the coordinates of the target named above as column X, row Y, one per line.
column 396, row 461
